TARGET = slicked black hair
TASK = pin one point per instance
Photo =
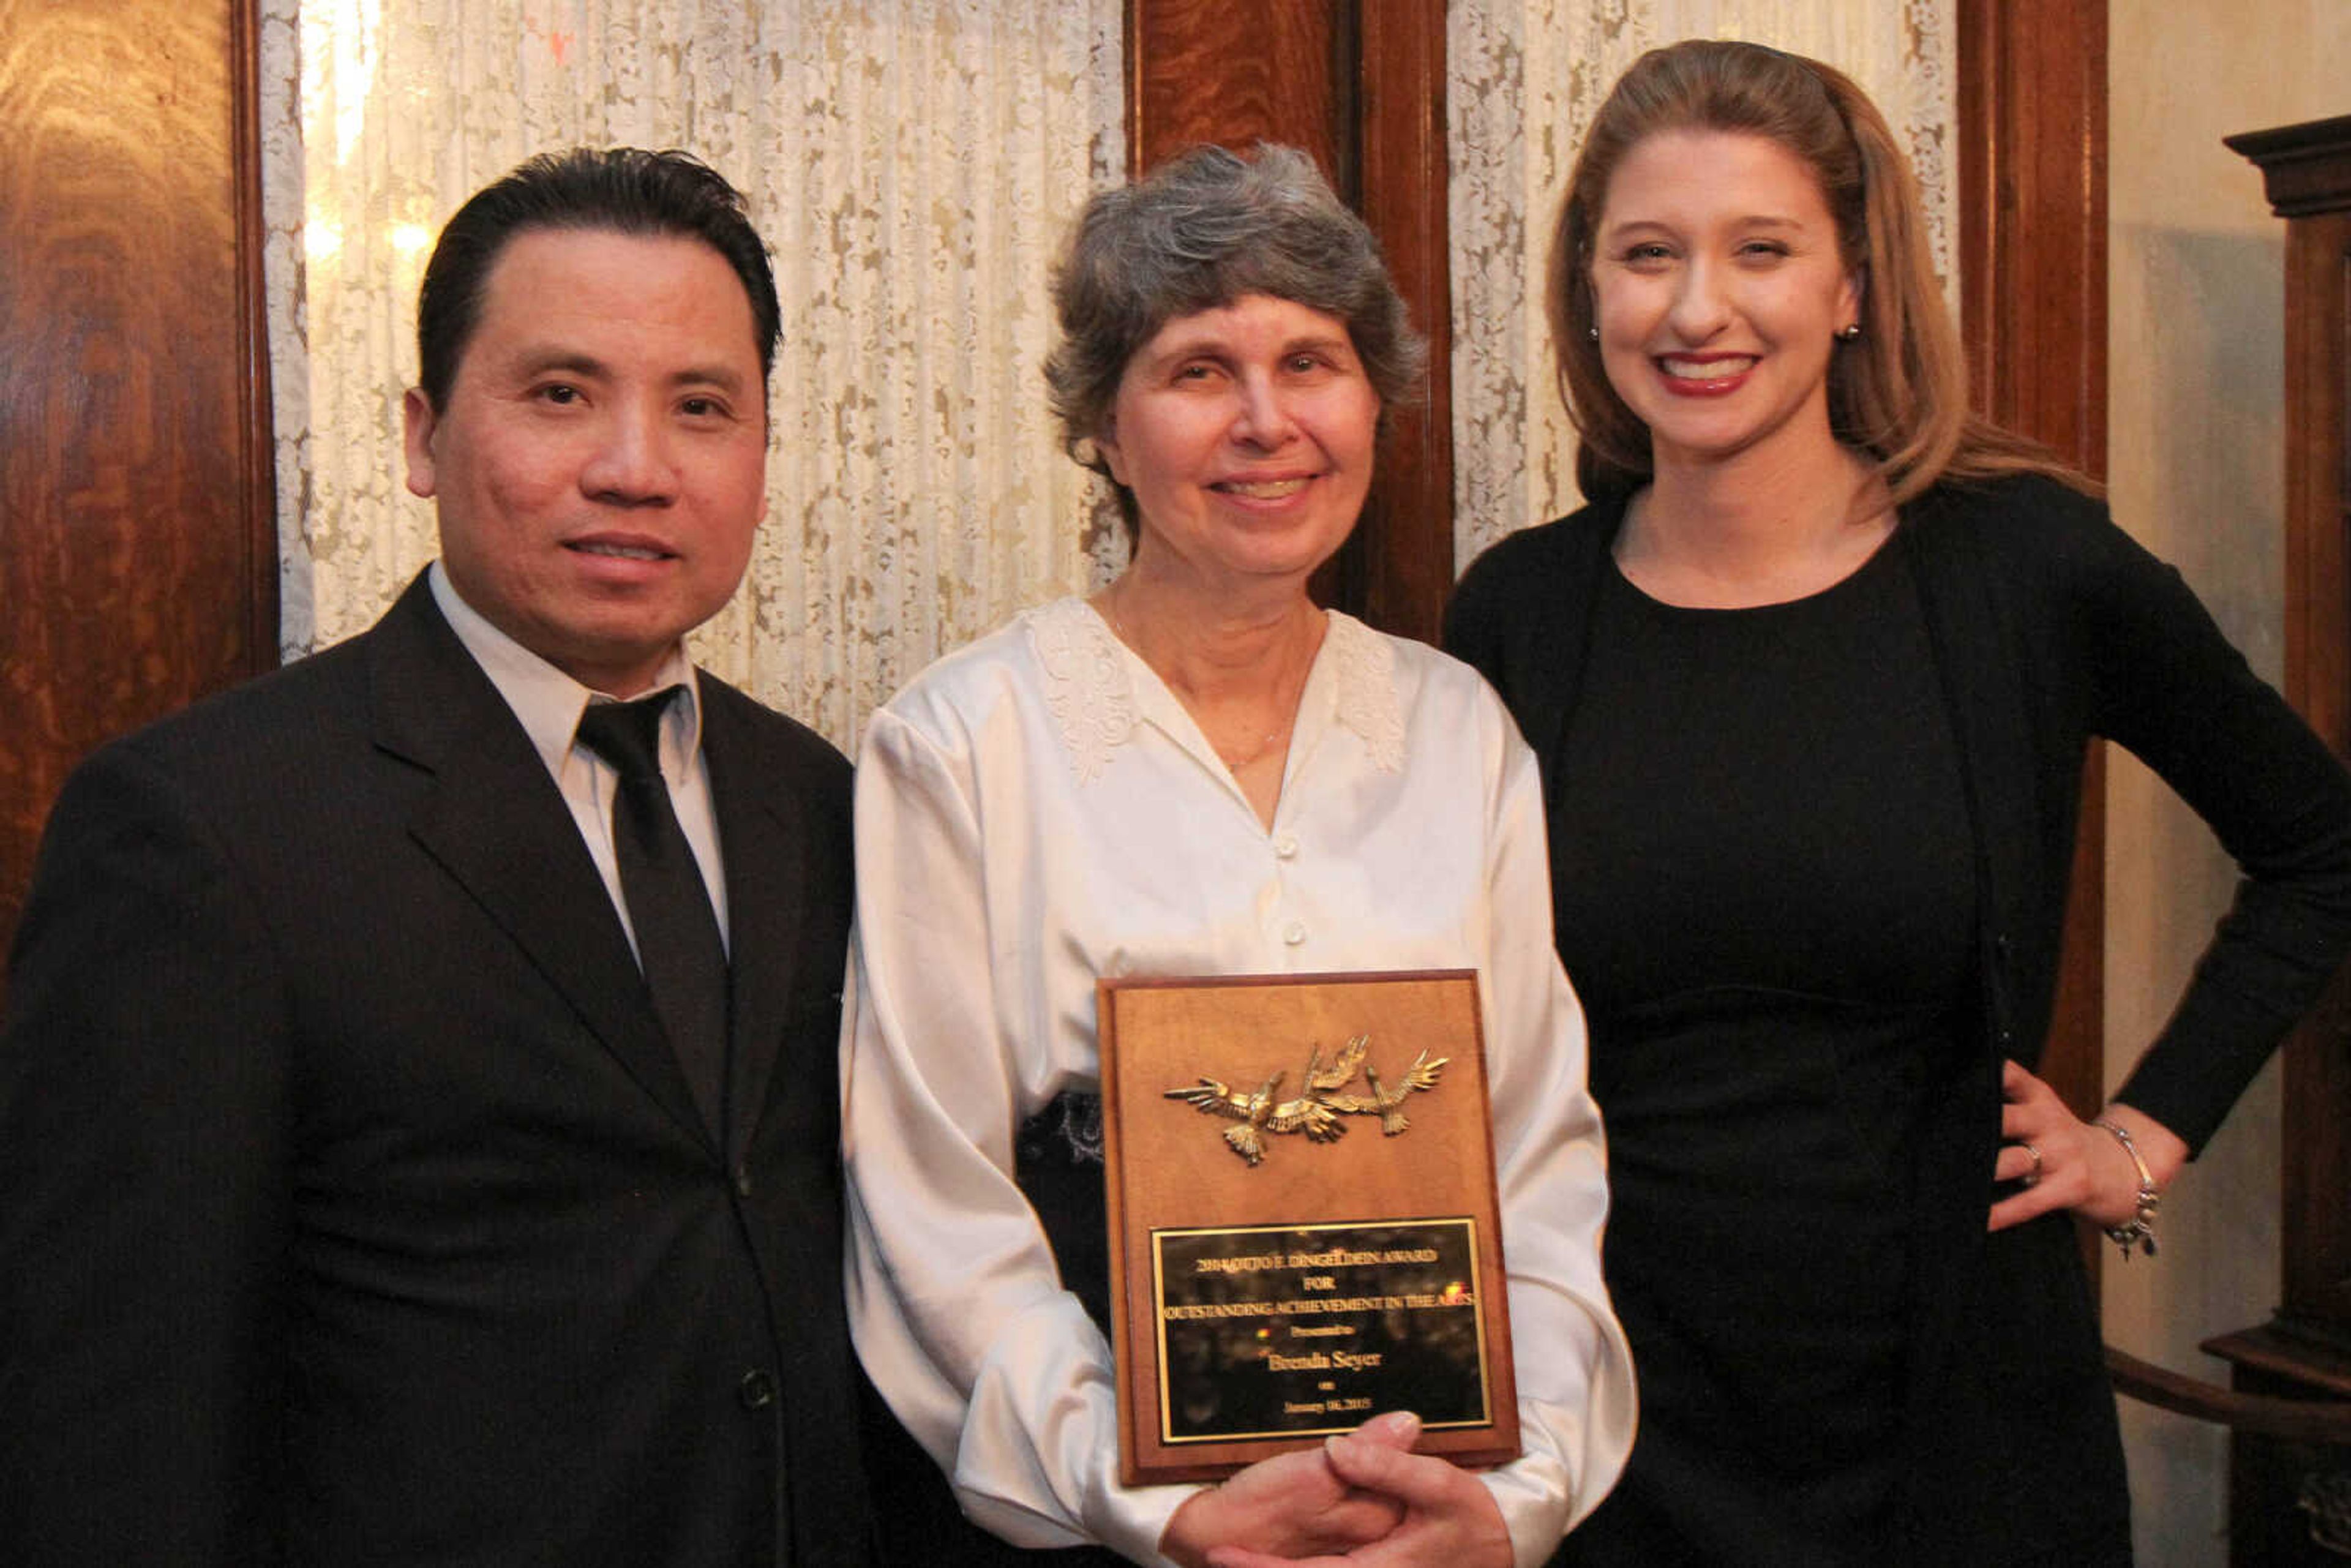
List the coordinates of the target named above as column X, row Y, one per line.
column 625, row 190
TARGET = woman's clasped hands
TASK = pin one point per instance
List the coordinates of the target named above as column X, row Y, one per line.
column 1364, row 1498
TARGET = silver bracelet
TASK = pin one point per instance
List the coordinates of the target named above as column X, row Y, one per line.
column 2139, row 1231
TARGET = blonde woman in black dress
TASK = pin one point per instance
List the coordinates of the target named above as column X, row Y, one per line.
column 1810, row 681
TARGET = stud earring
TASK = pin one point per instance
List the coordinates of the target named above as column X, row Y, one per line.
column 1593, row 332
column 1850, row 331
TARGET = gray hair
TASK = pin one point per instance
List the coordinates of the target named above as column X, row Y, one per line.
column 1200, row 232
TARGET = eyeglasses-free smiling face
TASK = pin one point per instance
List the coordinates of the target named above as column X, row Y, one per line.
column 599, row 468
column 1718, row 293
column 1245, row 433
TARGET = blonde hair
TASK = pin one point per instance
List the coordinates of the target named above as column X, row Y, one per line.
column 1900, row 392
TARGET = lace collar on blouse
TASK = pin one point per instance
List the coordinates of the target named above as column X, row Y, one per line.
column 1091, row 677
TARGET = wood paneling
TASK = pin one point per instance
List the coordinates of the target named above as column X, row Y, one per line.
column 2306, row 174
column 2032, row 260
column 2317, row 1130
column 1234, row 72
column 1361, row 88
column 1397, row 571
column 2032, row 217
column 135, row 493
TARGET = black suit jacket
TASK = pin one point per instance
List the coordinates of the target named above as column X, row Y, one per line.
column 354, row 1209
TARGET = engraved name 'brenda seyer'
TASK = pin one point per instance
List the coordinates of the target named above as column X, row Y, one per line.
column 1324, row 1361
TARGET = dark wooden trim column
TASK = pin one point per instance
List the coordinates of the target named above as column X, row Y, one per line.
column 2300, row 1359
column 1235, row 73
column 137, row 504
column 1361, row 88
column 1398, row 568
column 255, row 430
column 2033, row 265
column 2032, row 217
column 2306, row 174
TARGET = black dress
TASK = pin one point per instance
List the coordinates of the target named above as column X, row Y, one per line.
column 2047, row 626
column 1765, row 897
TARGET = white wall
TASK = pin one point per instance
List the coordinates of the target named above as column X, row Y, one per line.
column 2196, row 369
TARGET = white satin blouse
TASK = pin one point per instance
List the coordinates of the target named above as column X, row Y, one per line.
column 1038, row 810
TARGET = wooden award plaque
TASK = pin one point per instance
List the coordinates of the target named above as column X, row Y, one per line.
column 1303, row 1227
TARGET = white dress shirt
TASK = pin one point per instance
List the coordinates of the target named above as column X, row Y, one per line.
column 1038, row 811
column 548, row 703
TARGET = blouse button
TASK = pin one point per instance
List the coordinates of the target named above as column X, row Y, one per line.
column 1286, row 845
column 1294, row 933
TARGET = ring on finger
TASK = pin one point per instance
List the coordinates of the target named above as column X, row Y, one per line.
column 2034, row 1155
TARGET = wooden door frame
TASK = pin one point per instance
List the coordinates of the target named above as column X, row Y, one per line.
column 1359, row 85
column 138, row 503
column 2031, row 166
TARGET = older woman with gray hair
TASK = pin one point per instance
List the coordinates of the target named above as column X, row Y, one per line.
column 1198, row 772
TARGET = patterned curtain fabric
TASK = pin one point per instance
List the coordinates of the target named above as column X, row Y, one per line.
column 1525, row 78
column 913, row 163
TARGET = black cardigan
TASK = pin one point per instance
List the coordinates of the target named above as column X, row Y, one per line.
column 2048, row 625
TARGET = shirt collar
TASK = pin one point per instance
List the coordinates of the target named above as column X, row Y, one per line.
column 548, row 703
column 1093, row 692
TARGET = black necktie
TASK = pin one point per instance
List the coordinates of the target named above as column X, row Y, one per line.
column 678, row 946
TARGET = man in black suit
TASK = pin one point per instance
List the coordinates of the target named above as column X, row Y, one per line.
column 417, row 1106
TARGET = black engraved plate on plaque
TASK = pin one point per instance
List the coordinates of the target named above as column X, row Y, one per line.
column 1300, row 1331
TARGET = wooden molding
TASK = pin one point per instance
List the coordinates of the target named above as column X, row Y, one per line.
column 2306, row 169
column 1222, row 71
column 2306, row 174
column 2311, row 1420
column 137, row 504
column 1361, row 88
column 256, row 428
column 2032, row 259
column 1398, row 568
column 2033, row 218
column 2317, row 1207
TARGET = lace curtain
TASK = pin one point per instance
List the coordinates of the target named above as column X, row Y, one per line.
column 912, row 162
column 1524, row 79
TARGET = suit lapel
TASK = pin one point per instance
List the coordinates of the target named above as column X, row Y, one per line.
column 764, row 844
column 497, row 823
